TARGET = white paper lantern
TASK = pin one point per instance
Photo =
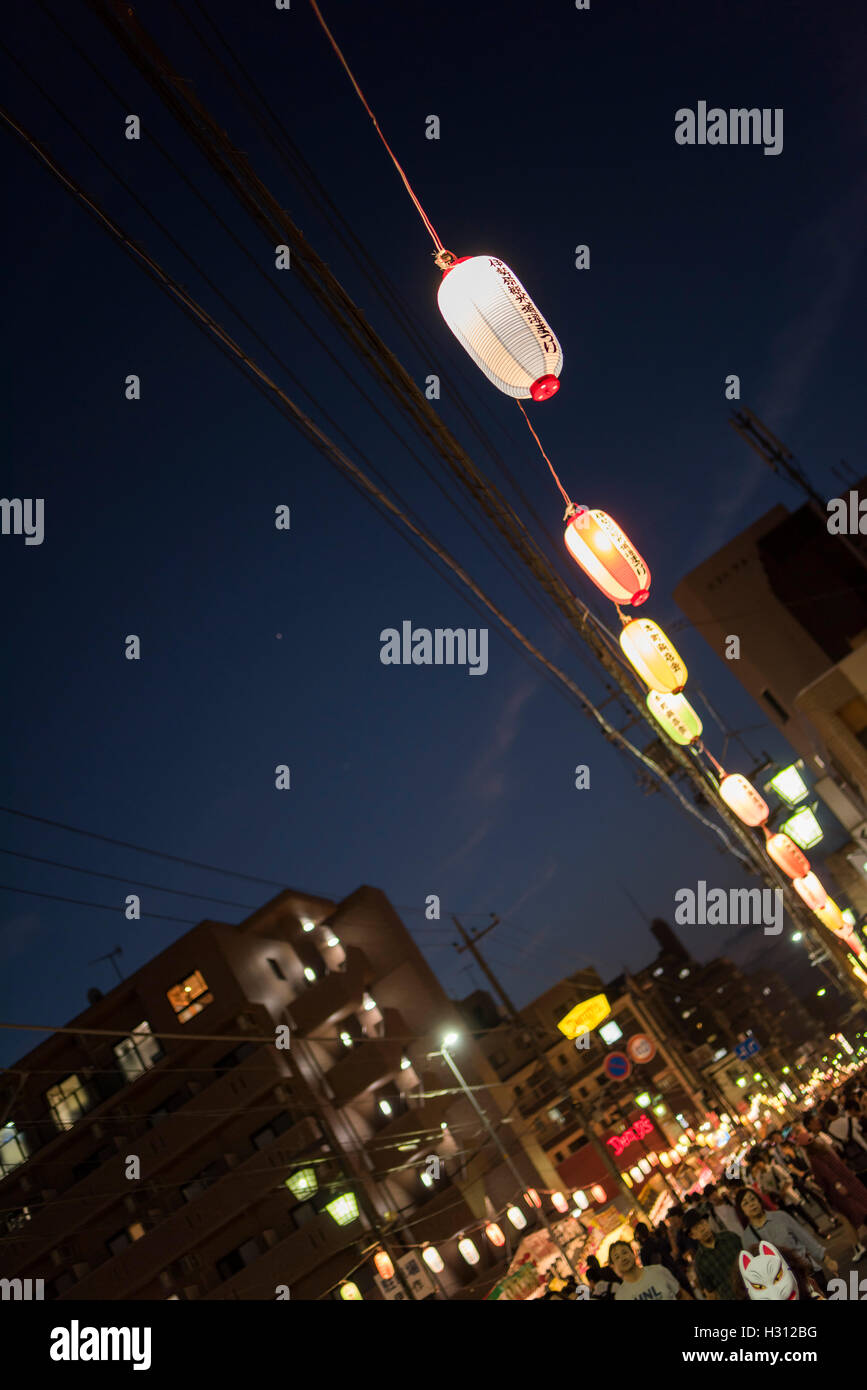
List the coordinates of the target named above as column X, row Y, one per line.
column 493, row 317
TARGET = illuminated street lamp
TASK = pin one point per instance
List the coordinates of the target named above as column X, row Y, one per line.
column 803, row 828
column 789, row 785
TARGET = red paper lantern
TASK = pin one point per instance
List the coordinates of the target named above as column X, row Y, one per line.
column 608, row 557
column 384, row 1266
column 787, row 856
column 494, row 1234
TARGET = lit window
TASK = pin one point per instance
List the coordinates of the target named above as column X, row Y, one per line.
column 190, row 996
column 135, row 1231
column 68, row 1101
column 13, row 1148
column 343, row 1210
column 137, row 1053
column 303, row 1184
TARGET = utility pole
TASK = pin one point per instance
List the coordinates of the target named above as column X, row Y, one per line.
column 470, row 944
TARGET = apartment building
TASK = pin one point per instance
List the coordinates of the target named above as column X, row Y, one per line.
column 248, row 1115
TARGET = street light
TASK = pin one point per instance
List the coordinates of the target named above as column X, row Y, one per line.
column 450, row 1040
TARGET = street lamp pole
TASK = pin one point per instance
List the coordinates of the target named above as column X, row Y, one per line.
column 502, row 1150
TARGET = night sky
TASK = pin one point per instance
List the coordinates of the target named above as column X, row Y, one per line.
column 261, row 647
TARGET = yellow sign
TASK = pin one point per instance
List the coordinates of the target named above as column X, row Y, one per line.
column 585, row 1016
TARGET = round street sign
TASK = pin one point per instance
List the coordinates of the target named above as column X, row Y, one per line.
column 641, row 1048
column 617, row 1065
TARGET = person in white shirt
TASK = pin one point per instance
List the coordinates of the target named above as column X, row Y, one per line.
column 639, row 1285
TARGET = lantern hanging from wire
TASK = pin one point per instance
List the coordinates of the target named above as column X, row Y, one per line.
column 676, row 715
column 810, row 890
column 786, row 855
column 496, row 321
column 740, row 796
column 560, row 1201
column 433, row 1259
column 494, row 1234
column 656, row 661
column 384, row 1264
column 607, row 556
column 830, row 916
column 469, row 1251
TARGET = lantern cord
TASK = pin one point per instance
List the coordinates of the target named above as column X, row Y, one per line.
column 566, row 498
column 721, row 770
column 406, row 183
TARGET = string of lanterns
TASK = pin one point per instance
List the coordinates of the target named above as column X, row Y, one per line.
column 467, row 1247
column 494, row 319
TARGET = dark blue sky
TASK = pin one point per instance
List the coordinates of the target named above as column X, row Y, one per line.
column 557, row 128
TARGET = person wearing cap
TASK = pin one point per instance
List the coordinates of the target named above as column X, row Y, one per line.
column 715, row 1256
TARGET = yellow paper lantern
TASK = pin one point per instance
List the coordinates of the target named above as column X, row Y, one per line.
column 810, row 889
column 830, row 916
column 608, row 557
column 741, row 797
column 676, row 715
column 496, row 321
column 649, row 651
column 787, row 856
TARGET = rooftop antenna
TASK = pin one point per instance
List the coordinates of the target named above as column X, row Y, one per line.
column 109, row 955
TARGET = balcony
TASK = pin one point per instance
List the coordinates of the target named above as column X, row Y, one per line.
column 291, row 1259
column 370, row 1061
column 158, row 1148
column 192, row 1224
column 333, row 997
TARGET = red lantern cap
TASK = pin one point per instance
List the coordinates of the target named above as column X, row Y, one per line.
column 459, row 260
column 545, row 387
column 639, row 597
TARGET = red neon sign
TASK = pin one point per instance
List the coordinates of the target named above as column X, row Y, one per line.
column 639, row 1130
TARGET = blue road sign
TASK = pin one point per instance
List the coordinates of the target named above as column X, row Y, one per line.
column 747, row 1048
column 617, row 1065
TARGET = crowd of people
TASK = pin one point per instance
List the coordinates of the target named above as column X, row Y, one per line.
column 800, row 1185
